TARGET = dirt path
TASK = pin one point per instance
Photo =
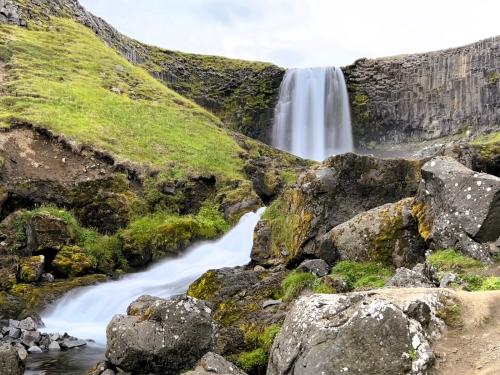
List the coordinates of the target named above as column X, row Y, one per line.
column 473, row 348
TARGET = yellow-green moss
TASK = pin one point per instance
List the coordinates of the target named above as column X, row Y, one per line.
column 252, row 362
column 229, row 312
column 205, row 287
column 30, row 269
column 419, row 212
column 73, row 261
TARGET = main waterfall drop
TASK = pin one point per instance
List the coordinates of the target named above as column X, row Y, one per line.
column 312, row 118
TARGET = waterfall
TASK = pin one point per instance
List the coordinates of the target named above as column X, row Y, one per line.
column 85, row 313
column 312, row 118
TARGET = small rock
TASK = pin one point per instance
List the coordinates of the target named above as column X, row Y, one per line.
column 70, row 344
column 30, row 338
column 22, row 353
column 271, row 302
column 35, row 349
column 405, row 278
column 48, row 277
column 259, row 268
column 317, row 267
column 14, row 332
column 54, row 346
column 447, row 279
column 28, row 324
column 55, row 336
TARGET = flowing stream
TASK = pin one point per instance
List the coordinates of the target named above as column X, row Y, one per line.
column 312, row 118
column 86, row 312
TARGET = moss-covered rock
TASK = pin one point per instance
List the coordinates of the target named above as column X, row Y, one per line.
column 327, row 195
column 387, row 234
column 73, row 261
column 31, row 268
column 45, row 232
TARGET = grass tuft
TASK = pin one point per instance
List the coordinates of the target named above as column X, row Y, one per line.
column 362, row 274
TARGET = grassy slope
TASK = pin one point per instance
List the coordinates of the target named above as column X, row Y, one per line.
column 64, row 78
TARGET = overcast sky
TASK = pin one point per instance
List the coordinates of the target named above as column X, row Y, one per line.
column 297, row 33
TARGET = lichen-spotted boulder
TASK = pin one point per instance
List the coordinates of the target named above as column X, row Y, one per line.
column 386, row 234
column 374, row 333
column 47, row 232
column 458, row 208
column 161, row 336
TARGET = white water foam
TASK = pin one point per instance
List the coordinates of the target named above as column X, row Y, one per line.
column 86, row 312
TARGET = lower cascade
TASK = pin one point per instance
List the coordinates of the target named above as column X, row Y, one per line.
column 312, row 118
column 86, row 312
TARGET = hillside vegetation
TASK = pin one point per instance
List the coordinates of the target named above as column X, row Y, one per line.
column 64, row 78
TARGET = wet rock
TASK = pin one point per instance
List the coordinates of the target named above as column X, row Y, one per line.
column 54, row 346
column 161, row 336
column 458, row 208
column 317, row 267
column 212, row 363
column 34, row 349
column 13, row 332
column 46, row 232
column 333, row 334
column 72, row 343
column 10, row 362
column 386, row 234
column 405, row 278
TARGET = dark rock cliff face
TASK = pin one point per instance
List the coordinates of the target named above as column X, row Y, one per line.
column 426, row 96
column 241, row 93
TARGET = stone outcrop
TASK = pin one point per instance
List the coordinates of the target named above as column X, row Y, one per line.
column 161, row 336
column 426, row 96
column 377, row 333
column 326, row 196
column 458, row 208
column 387, row 234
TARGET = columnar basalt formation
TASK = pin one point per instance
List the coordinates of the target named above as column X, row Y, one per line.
column 425, row 96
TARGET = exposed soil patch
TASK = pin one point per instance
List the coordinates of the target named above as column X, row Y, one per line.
column 28, row 154
column 473, row 348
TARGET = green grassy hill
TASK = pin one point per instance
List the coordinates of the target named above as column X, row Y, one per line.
column 66, row 79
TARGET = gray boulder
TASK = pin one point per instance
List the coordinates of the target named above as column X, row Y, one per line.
column 387, row 234
column 317, row 267
column 47, row 232
column 161, row 336
column 374, row 333
column 458, row 208
column 212, row 363
column 405, row 278
column 10, row 362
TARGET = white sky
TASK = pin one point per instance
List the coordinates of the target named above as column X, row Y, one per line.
column 298, row 33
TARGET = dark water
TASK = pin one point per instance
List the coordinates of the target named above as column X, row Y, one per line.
column 71, row 362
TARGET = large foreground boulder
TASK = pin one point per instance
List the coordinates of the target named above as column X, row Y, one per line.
column 159, row 336
column 458, row 208
column 376, row 333
column 386, row 234
column 10, row 362
column 326, row 196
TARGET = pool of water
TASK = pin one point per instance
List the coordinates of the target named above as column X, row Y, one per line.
column 72, row 362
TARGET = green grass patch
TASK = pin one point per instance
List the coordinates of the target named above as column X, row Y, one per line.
column 252, row 362
column 362, row 274
column 295, row 283
column 480, row 283
column 71, row 82
column 451, row 260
